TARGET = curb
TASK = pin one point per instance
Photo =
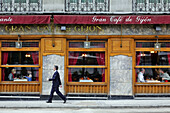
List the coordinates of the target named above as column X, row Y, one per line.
column 81, row 107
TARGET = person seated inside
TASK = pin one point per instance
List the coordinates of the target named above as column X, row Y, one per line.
column 29, row 75
column 11, row 76
column 140, row 75
column 164, row 75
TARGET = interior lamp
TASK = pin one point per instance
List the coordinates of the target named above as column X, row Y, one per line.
column 157, row 46
column 18, row 44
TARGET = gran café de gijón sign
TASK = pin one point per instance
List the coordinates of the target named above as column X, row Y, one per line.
column 108, row 65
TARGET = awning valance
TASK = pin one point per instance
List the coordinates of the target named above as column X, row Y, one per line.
column 25, row 19
column 100, row 19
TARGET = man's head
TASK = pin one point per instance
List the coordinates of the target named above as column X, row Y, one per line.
column 142, row 70
column 55, row 67
column 162, row 70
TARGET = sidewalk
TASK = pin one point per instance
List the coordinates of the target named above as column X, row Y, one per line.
column 133, row 103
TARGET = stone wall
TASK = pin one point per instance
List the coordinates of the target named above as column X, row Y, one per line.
column 48, row 64
column 121, row 5
column 121, row 75
column 54, row 5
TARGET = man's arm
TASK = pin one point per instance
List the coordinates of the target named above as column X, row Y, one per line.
column 54, row 76
column 59, row 79
column 140, row 77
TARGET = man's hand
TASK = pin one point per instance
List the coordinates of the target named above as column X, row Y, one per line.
column 60, row 86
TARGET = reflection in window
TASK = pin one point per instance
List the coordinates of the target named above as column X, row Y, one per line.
column 151, row 44
column 100, row 1
column 33, row 1
column 152, row 58
column 153, row 75
column 7, row 1
column 154, row 1
column 140, row 1
column 86, row 75
column 20, row 58
column 84, row 1
column 24, row 44
column 20, row 74
column 73, row 1
column 86, row 58
column 20, row 1
column 92, row 44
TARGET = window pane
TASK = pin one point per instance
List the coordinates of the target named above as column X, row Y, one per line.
column 20, row 74
column 24, row 44
column 151, row 44
column 20, row 58
column 76, row 44
column 166, row 1
column 86, row 58
column 8, row 44
column 73, row 1
column 20, row 1
column 30, row 44
column 153, row 58
column 97, row 45
column 92, row 44
column 154, row 1
column 140, row 1
column 33, row 1
column 7, row 1
column 150, row 75
column 86, row 75
column 84, row 1
column 100, row 1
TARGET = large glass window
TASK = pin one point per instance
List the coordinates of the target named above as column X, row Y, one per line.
column 152, row 66
column 86, row 58
column 152, row 58
column 20, row 64
column 20, row 74
column 151, row 75
column 86, row 75
column 20, row 58
column 86, row 65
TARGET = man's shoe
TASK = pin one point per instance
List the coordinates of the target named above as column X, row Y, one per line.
column 65, row 101
column 48, row 101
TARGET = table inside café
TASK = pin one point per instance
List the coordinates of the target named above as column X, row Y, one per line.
column 152, row 81
column 20, row 80
column 85, row 80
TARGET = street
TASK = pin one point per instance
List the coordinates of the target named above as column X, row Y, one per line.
column 87, row 110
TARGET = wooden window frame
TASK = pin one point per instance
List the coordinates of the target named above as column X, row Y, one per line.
column 149, row 49
column 20, row 49
column 88, row 50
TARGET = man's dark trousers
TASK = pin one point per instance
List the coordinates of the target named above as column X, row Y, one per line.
column 58, row 92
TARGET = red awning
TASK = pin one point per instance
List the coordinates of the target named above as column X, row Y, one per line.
column 25, row 19
column 96, row 19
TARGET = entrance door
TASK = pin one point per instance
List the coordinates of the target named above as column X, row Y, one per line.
column 86, row 67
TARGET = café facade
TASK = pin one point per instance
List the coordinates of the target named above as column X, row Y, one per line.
column 96, row 54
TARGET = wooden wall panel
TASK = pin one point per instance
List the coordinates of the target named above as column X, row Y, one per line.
column 57, row 45
column 152, row 88
column 20, row 87
column 116, row 49
column 58, row 48
column 87, row 89
column 125, row 46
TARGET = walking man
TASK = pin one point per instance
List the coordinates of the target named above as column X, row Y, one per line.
column 55, row 87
